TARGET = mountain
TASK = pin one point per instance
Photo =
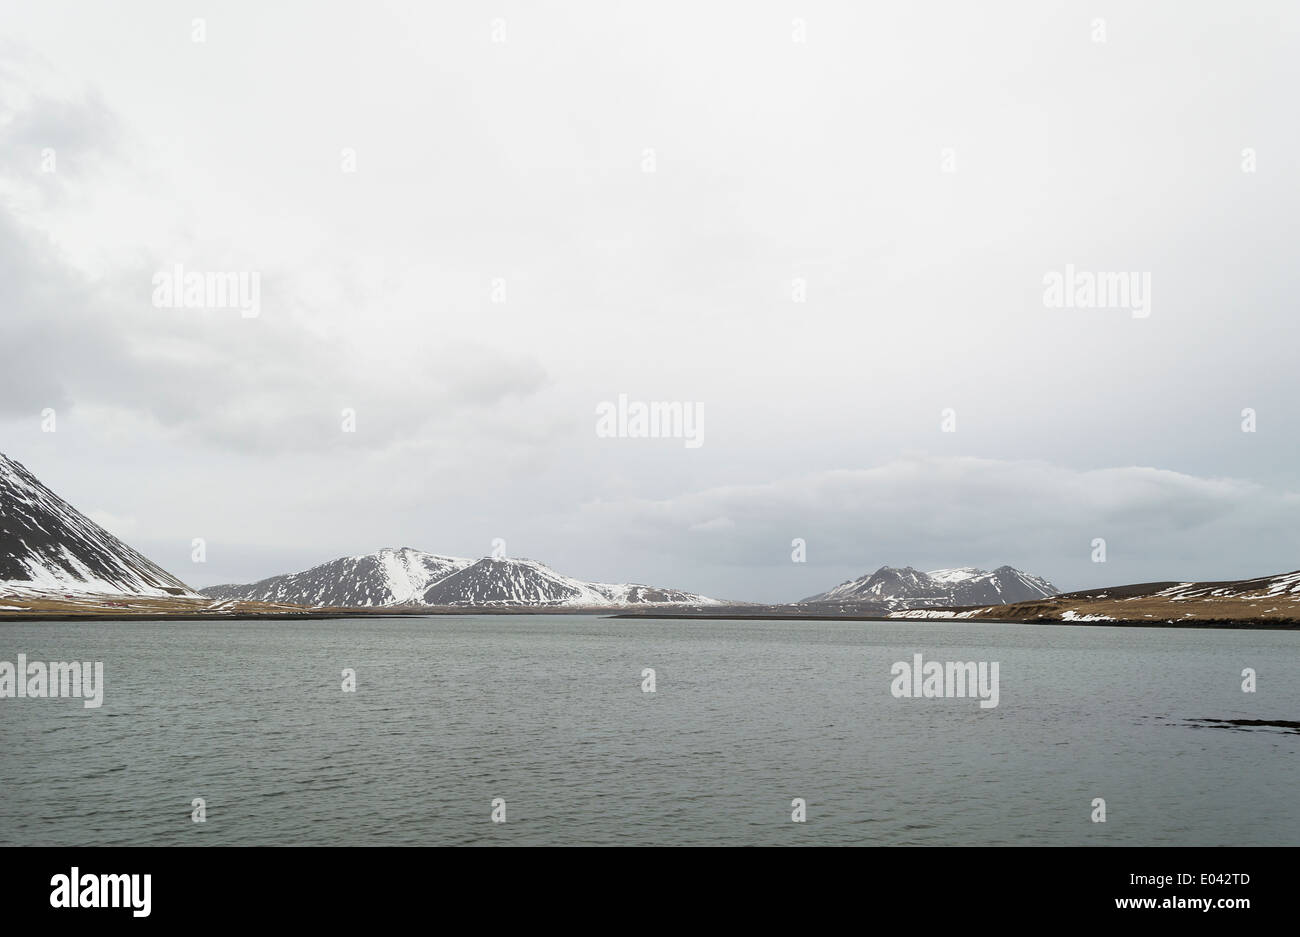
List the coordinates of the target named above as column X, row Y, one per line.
column 48, row 546
column 891, row 588
column 389, row 577
column 409, row 577
column 1266, row 601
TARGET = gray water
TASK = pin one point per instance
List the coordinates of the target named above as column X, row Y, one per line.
column 548, row 713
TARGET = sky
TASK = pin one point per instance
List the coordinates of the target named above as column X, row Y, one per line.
column 825, row 228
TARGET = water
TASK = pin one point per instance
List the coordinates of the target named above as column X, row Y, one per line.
column 548, row 713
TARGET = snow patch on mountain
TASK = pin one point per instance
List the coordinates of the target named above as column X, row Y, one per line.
column 961, row 574
column 408, row 573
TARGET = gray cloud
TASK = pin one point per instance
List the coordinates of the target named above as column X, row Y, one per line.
column 933, row 512
column 264, row 384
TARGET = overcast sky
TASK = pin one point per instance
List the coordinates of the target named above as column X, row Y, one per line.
column 915, row 169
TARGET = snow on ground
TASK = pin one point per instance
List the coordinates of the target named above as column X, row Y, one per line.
column 935, row 613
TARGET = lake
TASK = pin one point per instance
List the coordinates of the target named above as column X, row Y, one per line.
column 548, row 714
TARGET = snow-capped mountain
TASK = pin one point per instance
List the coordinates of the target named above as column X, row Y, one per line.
column 409, row 577
column 48, row 546
column 892, row 588
column 388, row 577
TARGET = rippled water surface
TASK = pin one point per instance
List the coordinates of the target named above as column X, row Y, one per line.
column 548, row 713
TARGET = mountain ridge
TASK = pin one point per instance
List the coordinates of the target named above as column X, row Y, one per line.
column 404, row 576
column 891, row 587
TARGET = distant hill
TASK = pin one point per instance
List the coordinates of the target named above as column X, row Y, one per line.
column 407, row 577
column 1265, row 601
column 890, row 588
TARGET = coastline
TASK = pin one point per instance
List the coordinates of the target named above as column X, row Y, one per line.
column 1240, row 624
